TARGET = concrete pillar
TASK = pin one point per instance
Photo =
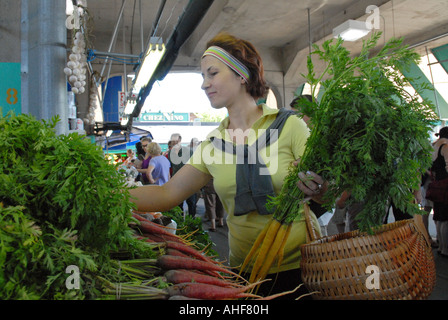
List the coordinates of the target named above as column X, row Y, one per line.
column 44, row 55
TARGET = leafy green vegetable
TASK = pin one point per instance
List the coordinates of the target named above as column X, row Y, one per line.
column 368, row 134
column 62, row 204
column 191, row 226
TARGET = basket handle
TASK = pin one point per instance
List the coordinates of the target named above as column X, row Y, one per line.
column 418, row 222
column 311, row 232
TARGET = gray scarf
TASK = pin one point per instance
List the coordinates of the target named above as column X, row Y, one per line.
column 253, row 183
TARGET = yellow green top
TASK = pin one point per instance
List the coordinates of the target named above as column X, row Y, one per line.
column 278, row 157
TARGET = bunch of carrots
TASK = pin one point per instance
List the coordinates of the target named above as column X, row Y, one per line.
column 269, row 246
column 183, row 273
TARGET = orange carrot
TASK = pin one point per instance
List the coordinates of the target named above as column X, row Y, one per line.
column 169, row 262
column 162, row 238
column 208, row 291
column 188, row 250
column 176, row 253
column 184, row 276
column 154, row 228
column 145, row 239
column 182, row 298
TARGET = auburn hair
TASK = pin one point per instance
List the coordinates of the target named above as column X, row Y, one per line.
column 248, row 55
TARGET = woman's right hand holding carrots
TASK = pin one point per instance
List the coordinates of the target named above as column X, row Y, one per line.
column 312, row 185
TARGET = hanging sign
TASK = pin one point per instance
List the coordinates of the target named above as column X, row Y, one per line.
column 163, row 117
column 10, row 88
column 121, row 101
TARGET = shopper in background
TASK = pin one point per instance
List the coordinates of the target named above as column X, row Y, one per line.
column 427, row 205
column 138, row 146
column 296, row 101
column 234, row 79
column 159, row 166
column 130, row 157
column 194, row 143
column 178, row 156
column 166, row 154
column 439, row 170
column 169, row 147
column 145, row 162
column 345, row 213
column 214, row 210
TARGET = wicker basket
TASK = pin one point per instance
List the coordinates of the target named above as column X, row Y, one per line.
column 335, row 267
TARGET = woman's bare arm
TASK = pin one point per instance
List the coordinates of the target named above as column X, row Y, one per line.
column 182, row 185
column 149, row 174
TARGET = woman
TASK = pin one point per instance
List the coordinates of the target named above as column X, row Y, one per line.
column 439, row 170
column 159, row 166
column 130, row 157
column 233, row 78
column 213, row 206
column 143, row 168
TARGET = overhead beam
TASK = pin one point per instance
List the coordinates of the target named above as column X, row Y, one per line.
column 217, row 17
column 192, row 15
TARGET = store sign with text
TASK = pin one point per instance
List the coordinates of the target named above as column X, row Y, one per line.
column 10, row 88
column 163, row 117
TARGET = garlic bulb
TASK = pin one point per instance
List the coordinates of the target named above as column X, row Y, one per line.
column 76, row 72
column 71, row 64
column 72, row 79
column 68, row 71
column 76, row 69
column 73, row 57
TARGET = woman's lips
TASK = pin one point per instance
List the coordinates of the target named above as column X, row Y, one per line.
column 210, row 94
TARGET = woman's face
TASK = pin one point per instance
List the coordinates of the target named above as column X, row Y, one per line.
column 221, row 85
column 145, row 146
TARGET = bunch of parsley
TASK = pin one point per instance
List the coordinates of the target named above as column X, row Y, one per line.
column 369, row 136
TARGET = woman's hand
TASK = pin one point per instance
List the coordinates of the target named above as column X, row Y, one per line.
column 312, row 185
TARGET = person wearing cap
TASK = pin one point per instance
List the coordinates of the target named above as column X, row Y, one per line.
column 439, row 170
column 233, row 78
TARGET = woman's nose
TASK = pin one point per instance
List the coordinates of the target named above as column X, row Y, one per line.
column 205, row 84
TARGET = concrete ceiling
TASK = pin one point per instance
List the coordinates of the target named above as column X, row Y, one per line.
column 280, row 29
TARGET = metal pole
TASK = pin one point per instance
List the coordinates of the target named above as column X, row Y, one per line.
column 113, row 54
column 142, row 42
column 125, row 76
column 155, row 25
column 433, row 85
column 114, row 35
column 105, row 86
column 46, row 56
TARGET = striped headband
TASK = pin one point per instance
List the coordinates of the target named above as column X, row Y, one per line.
column 229, row 60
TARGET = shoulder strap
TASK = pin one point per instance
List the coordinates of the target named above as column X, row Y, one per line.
column 277, row 124
column 265, row 139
